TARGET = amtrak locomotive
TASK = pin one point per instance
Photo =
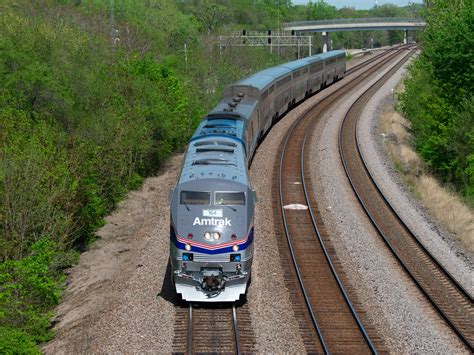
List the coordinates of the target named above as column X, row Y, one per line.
column 213, row 203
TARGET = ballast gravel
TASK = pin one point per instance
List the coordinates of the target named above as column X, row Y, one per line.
column 119, row 299
column 273, row 319
column 445, row 247
column 400, row 313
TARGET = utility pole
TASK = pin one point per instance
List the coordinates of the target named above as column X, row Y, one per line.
column 112, row 22
column 113, row 31
column 186, row 55
column 279, row 26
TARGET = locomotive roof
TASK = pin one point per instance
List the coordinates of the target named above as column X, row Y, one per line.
column 214, row 157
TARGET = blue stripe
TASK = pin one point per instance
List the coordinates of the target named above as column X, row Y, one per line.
column 195, row 249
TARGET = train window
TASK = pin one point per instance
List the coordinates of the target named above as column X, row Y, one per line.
column 230, row 198
column 195, row 198
column 264, row 95
column 305, row 70
column 316, row 67
column 271, row 89
column 296, row 74
column 283, row 81
column 210, row 149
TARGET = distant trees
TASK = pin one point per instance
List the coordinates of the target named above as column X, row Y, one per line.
column 225, row 16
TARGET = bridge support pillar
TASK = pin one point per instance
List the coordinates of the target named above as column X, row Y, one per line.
column 405, row 37
column 325, row 41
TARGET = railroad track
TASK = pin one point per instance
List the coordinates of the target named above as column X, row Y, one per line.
column 378, row 56
column 446, row 295
column 328, row 321
column 211, row 328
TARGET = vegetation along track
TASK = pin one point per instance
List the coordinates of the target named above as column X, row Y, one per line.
column 446, row 295
column 331, row 323
column 211, row 328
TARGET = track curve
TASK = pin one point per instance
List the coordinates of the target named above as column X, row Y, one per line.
column 336, row 324
column 446, row 295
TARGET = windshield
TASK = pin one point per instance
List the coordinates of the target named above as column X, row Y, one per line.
column 195, row 198
column 230, row 198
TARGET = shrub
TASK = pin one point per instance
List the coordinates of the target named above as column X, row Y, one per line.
column 28, row 290
column 13, row 341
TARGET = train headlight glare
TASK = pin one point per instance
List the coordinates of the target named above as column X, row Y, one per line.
column 216, row 235
column 235, row 248
column 207, row 236
column 187, row 247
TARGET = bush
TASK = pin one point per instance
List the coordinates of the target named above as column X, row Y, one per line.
column 28, row 290
column 13, row 341
column 438, row 98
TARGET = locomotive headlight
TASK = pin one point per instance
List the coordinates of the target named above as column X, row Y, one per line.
column 187, row 247
column 216, row 235
column 207, row 236
column 235, row 248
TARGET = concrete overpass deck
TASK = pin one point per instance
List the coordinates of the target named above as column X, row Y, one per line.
column 355, row 24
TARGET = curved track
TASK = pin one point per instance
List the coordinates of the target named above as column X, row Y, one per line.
column 336, row 326
column 447, row 296
column 378, row 56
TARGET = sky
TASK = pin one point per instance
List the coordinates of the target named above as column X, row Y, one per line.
column 361, row 4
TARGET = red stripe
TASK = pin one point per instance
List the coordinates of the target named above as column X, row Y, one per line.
column 211, row 246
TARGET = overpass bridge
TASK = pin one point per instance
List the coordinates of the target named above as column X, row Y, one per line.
column 354, row 24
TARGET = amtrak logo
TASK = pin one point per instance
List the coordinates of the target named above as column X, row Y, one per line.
column 212, row 222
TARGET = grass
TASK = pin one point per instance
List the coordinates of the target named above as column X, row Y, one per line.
column 444, row 204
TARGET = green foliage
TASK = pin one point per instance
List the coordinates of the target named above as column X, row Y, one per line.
column 438, row 99
column 14, row 341
column 448, row 44
column 28, row 290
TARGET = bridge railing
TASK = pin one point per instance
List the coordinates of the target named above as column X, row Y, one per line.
column 352, row 20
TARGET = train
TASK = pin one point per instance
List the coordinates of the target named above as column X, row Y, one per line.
column 212, row 205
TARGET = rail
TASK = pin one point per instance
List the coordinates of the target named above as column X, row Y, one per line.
column 443, row 291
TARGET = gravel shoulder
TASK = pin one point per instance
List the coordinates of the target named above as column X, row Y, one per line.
column 405, row 321
column 117, row 299
column 444, row 246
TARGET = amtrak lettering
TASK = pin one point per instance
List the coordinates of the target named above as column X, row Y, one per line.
column 212, row 222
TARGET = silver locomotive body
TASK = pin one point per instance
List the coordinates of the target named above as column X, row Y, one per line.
column 212, row 205
column 211, row 240
column 212, row 213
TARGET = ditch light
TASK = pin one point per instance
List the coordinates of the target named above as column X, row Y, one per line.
column 235, row 258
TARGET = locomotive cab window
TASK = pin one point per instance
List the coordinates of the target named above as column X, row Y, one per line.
column 230, row 198
column 195, row 198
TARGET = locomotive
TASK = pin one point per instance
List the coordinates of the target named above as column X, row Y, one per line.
column 212, row 205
